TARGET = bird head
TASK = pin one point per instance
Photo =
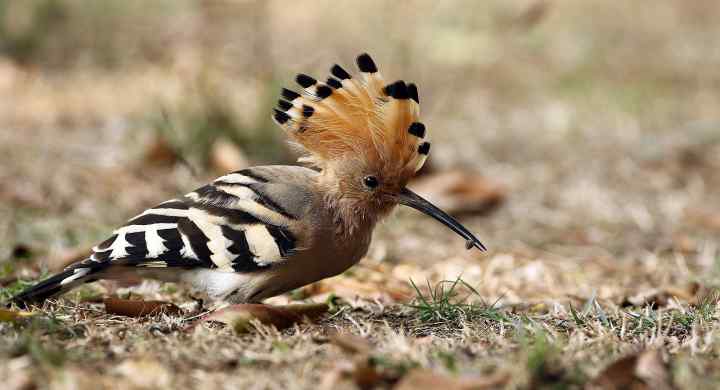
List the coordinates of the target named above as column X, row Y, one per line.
column 366, row 138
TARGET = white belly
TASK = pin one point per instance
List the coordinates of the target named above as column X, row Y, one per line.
column 220, row 285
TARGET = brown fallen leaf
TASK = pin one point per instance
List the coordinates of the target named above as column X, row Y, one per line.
column 21, row 250
column 240, row 316
column 161, row 153
column 370, row 281
column 365, row 371
column 367, row 375
column 25, row 196
column 65, row 258
column 684, row 243
column 13, row 315
column 660, row 297
column 226, row 156
column 351, row 343
column 422, row 379
column 138, row 308
column 651, row 368
column 460, row 192
column 618, row 375
column 533, row 14
column 709, row 219
column 8, row 280
column 19, row 380
column 640, row 371
column 362, row 369
column 144, row 373
column 350, row 288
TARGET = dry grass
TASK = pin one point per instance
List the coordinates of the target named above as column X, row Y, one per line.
column 601, row 119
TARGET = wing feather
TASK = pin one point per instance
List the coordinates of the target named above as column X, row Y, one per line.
column 233, row 224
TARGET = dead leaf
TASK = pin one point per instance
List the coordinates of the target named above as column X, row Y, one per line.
column 332, row 377
column 422, row 379
column 23, row 195
column 366, row 375
column 351, row 343
column 350, row 287
column 652, row 369
column 14, row 315
column 8, row 280
column 21, row 251
column 138, row 308
column 144, row 373
column 160, row 153
column 16, row 374
column 361, row 369
column 709, row 219
column 655, row 297
column 226, row 156
column 640, row 371
column 460, row 192
column 618, row 375
column 684, row 243
column 365, row 282
column 660, row 297
column 364, row 370
column 20, row 381
column 533, row 15
column 240, row 316
column 67, row 257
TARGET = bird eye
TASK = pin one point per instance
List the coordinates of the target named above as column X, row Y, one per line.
column 370, row 181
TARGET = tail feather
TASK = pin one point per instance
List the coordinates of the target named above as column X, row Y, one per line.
column 55, row 285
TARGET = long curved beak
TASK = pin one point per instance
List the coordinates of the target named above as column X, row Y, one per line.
column 411, row 199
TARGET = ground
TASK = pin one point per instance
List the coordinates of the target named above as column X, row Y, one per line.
column 595, row 124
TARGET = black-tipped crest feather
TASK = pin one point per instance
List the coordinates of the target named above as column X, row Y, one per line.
column 413, row 92
column 307, row 111
column 339, row 72
column 417, row 129
column 333, row 82
column 366, row 64
column 323, row 91
column 281, row 117
column 289, row 95
column 353, row 118
column 305, row 81
column 284, row 105
column 397, row 90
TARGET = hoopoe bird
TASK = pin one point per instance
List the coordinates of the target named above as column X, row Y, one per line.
column 266, row 230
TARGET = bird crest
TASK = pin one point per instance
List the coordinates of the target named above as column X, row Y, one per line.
column 360, row 119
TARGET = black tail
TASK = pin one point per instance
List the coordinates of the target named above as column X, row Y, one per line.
column 55, row 285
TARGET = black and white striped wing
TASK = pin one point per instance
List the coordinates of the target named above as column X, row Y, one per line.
column 233, row 224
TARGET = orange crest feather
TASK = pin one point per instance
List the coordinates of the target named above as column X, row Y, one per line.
column 350, row 118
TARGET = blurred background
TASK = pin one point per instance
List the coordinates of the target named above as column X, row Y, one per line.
column 579, row 139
